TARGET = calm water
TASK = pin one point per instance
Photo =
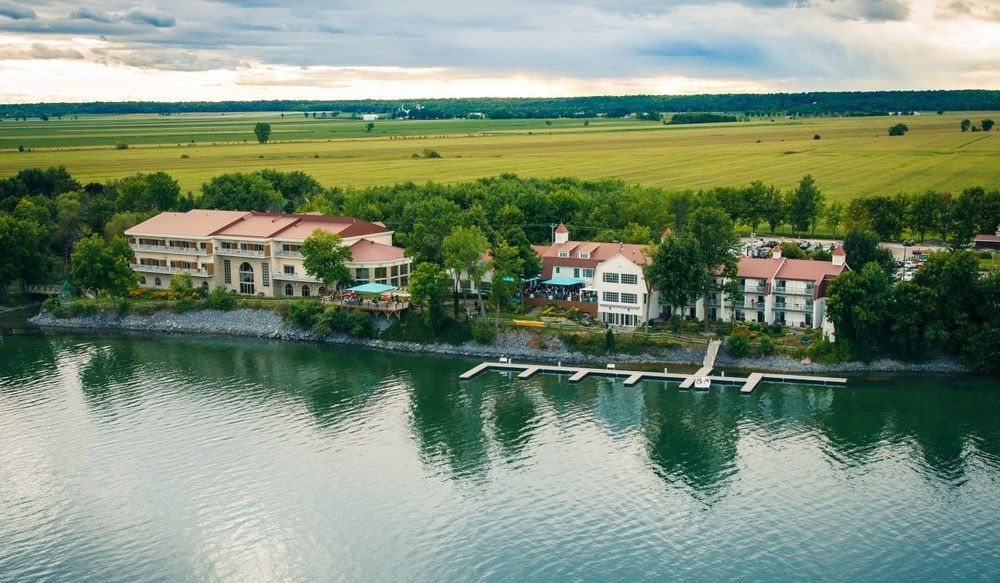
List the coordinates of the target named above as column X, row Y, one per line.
column 180, row 459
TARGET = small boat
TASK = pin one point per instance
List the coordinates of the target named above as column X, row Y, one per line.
column 702, row 383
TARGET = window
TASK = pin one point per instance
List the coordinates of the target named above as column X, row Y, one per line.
column 564, row 254
column 395, row 270
column 288, row 290
column 630, row 298
column 576, row 272
column 289, row 269
column 157, row 282
column 404, row 269
column 265, row 275
column 361, row 274
column 322, row 290
column 630, row 278
column 246, row 279
column 305, row 291
column 142, row 280
column 380, row 273
column 588, row 273
column 584, row 255
column 610, row 296
column 227, row 270
column 610, row 277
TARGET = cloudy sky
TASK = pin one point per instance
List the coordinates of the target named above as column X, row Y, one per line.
column 258, row 49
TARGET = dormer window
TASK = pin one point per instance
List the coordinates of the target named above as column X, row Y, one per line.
column 584, row 255
column 564, row 254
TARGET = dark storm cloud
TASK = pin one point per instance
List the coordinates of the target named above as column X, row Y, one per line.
column 150, row 17
column 16, row 11
column 87, row 13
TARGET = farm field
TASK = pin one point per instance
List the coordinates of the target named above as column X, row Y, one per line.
column 853, row 156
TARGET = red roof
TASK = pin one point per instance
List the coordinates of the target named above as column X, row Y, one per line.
column 562, row 228
column 597, row 253
column 367, row 251
column 755, row 268
column 295, row 227
column 988, row 238
column 839, row 250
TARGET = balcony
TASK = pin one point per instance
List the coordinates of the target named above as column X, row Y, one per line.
column 794, row 307
column 752, row 304
column 238, row 252
column 168, row 249
column 757, row 288
column 291, row 254
column 168, row 270
column 295, row 277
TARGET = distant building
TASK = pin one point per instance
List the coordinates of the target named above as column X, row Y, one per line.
column 256, row 253
column 369, row 117
column 988, row 241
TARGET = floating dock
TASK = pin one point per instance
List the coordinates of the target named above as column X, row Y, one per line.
column 633, row 377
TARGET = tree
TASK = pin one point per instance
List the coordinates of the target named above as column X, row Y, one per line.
column 182, row 284
column 637, row 234
column 120, row 222
column 883, row 215
column 863, row 247
column 21, row 247
column 428, row 289
column 968, row 215
column 369, row 127
column 965, row 125
column 103, row 266
column 913, row 314
column 805, row 205
column 157, row 191
column 954, row 277
column 898, row 129
column 677, row 269
column 262, row 131
column 834, row 215
column 718, row 244
column 324, row 257
column 464, row 251
column 755, row 199
column 240, row 191
column 507, row 269
column 857, row 303
column 923, row 213
column 774, row 208
column 987, row 124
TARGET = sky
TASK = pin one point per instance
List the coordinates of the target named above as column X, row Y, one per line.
column 54, row 50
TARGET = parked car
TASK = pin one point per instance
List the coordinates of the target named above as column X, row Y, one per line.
column 771, row 244
column 909, row 243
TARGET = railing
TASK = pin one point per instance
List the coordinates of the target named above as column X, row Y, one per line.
column 169, row 270
column 283, row 253
column 793, row 307
column 168, row 249
column 295, row 277
column 756, row 288
column 238, row 252
column 754, row 304
column 794, row 290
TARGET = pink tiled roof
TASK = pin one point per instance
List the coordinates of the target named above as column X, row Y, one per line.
column 343, row 226
column 258, row 225
column 756, row 268
column 599, row 253
column 839, row 250
column 562, row 228
column 807, row 270
column 194, row 223
column 988, row 238
column 365, row 250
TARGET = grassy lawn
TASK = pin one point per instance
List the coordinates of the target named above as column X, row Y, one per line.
column 854, row 155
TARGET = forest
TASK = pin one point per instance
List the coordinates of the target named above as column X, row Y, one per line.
column 847, row 103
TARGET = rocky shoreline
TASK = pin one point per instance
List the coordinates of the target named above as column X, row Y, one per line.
column 517, row 345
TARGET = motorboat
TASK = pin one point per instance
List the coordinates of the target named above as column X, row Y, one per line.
column 702, row 383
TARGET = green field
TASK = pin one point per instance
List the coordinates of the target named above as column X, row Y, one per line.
column 854, row 155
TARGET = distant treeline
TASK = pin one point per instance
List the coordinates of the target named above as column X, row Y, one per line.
column 683, row 118
column 848, row 103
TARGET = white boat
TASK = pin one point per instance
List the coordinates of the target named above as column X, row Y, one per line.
column 702, row 383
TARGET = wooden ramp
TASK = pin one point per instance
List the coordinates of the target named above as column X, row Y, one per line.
column 526, row 373
column 578, row 375
column 633, row 379
column 710, row 354
column 475, row 370
column 751, row 383
column 701, row 372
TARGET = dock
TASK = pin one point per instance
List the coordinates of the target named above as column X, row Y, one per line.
column 634, row 377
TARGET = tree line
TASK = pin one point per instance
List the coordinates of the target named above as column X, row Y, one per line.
column 807, row 104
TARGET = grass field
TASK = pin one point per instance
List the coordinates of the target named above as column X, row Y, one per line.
column 854, row 155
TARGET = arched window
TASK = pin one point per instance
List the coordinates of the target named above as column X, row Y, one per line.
column 305, row 291
column 204, row 285
column 289, row 291
column 322, row 291
column 156, row 282
column 142, row 281
column 246, row 279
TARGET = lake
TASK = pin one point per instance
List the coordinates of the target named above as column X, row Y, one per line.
column 129, row 458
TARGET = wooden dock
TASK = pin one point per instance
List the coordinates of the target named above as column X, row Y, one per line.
column 633, row 377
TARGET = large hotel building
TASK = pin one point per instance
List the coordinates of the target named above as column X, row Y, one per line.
column 254, row 253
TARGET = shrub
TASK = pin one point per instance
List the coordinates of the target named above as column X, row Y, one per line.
column 815, row 136
column 429, row 153
column 304, row 313
column 766, row 346
column 482, row 332
column 609, row 341
column 898, row 129
column 738, row 345
column 184, row 304
column 50, row 304
column 123, row 306
column 574, row 314
column 121, row 146
column 220, row 299
column 182, row 284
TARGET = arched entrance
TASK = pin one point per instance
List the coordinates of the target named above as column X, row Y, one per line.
column 289, row 290
column 246, row 279
column 305, row 291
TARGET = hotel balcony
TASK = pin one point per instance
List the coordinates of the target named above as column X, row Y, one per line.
column 238, row 252
column 793, row 307
column 794, row 290
column 168, row 249
column 757, row 288
column 291, row 254
column 295, row 277
column 168, row 270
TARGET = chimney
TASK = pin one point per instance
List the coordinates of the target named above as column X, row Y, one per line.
column 561, row 234
column 839, row 255
column 621, row 247
column 776, row 252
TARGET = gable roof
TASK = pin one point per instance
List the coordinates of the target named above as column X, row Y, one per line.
column 367, row 250
column 194, row 223
column 285, row 226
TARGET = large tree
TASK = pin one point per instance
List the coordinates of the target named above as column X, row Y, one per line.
column 774, row 208
column 22, row 246
column 863, row 247
column 428, row 288
column 834, row 215
column 924, row 213
column 857, row 304
column 677, row 270
column 324, row 257
column 157, row 191
column 262, row 131
column 464, row 251
column 240, row 191
column 805, row 205
column 103, row 266
column 719, row 245
column 507, row 269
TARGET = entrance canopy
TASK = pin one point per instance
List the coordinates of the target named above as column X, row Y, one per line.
column 372, row 288
column 566, row 281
